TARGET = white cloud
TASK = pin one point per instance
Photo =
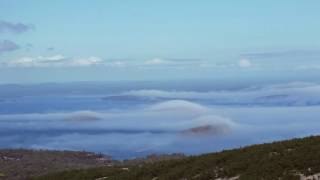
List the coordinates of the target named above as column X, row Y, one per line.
column 179, row 105
column 86, row 61
column 40, row 61
column 157, row 61
column 25, row 61
column 62, row 61
column 51, row 58
column 245, row 63
column 53, row 61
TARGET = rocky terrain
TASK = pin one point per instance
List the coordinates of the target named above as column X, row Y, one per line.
column 20, row 164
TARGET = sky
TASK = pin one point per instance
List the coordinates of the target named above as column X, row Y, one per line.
column 64, row 41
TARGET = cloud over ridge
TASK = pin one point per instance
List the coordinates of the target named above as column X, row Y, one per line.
column 179, row 105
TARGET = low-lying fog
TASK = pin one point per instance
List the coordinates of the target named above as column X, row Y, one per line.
column 128, row 122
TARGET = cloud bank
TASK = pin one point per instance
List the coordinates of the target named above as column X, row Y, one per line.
column 154, row 127
column 171, row 116
column 291, row 94
column 129, row 133
column 172, row 121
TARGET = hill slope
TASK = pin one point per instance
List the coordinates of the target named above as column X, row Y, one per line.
column 289, row 160
column 21, row 163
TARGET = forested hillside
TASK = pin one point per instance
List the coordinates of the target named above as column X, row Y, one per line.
column 292, row 159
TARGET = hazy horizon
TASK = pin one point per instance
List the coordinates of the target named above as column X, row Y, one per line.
column 109, row 40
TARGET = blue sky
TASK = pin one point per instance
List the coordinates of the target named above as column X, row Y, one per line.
column 58, row 41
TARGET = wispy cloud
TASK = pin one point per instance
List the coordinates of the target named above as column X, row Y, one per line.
column 155, row 63
column 50, row 49
column 279, row 54
column 172, row 62
column 62, row 61
column 40, row 61
column 6, row 46
column 90, row 61
column 14, row 27
column 54, row 61
column 292, row 94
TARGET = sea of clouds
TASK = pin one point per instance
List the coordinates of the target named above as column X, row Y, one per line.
column 161, row 121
